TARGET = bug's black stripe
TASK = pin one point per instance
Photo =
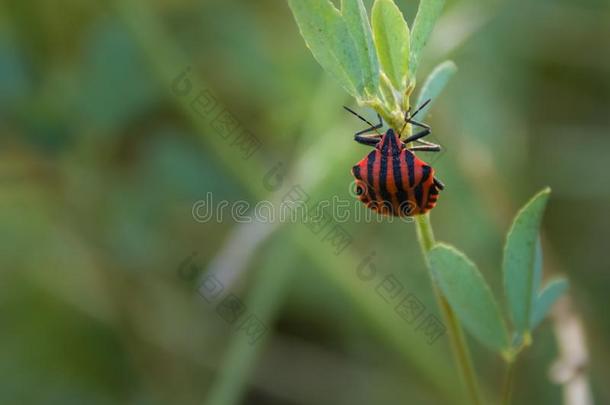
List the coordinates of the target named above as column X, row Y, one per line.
column 387, row 138
column 401, row 195
column 370, row 164
column 419, row 189
column 409, row 158
column 383, row 172
column 394, row 146
column 425, row 175
column 356, row 172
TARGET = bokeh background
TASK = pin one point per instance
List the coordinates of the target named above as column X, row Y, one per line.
column 102, row 160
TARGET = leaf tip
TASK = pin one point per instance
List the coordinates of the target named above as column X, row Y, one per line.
column 449, row 64
column 543, row 194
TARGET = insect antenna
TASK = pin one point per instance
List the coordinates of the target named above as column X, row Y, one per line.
column 409, row 116
column 373, row 126
column 421, row 107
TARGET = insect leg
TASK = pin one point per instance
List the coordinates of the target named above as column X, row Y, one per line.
column 418, row 135
column 426, row 148
column 373, row 128
column 417, row 123
column 426, row 142
column 367, row 140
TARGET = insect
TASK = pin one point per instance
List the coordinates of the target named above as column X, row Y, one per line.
column 391, row 180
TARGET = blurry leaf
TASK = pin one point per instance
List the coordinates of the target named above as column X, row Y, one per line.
column 469, row 296
column 545, row 300
column 264, row 300
column 434, row 85
column 356, row 19
column 391, row 34
column 427, row 14
column 520, row 259
column 112, row 94
column 14, row 81
column 330, row 41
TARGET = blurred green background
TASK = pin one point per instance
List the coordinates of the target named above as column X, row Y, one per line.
column 101, row 163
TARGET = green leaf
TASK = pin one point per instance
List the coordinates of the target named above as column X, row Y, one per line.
column 391, row 34
column 331, row 42
column 469, row 296
column 389, row 95
column 537, row 278
column 357, row 21
column 427, row 14
column 434, row 85
column 519, row 263
column 321, row 25
column 545, row 300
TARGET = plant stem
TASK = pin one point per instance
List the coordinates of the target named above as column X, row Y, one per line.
column 461, row 353
column 508, row 383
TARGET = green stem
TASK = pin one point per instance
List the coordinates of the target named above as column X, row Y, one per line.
column 508, row 383
column 456, row 335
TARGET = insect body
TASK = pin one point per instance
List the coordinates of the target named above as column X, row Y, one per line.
column 391, row 179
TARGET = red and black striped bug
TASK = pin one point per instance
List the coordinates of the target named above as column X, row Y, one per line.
column 391, row 180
